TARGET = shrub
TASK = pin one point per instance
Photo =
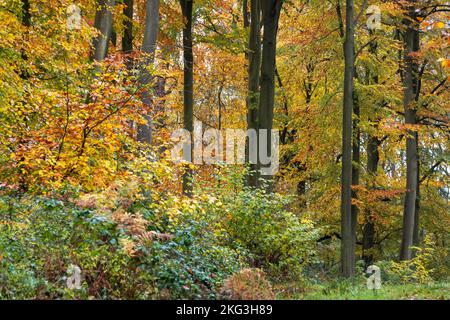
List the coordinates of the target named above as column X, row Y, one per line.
column 420, row 269
column 247, row 284
column 276, row 239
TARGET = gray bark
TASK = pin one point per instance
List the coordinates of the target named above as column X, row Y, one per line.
column 347, row 231
column 254, row 58
column 411, row 45
column 271, row 12
column 144, row 133
column 103, row 23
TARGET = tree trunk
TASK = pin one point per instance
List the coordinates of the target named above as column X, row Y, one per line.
column 254, row 59
column 26, row 16
column 103, row 23
column 127, row 39
column 188, row 112
column 373, row 158
column 411, row 44
column 148, row 49
column 347, row 245
column 356, row 144
column 416, row 232
column 271, row 12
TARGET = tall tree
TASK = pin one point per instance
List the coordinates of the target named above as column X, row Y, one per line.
column 148, row 49
column 347, row 227
column 188, row 78
column 356, row 159
column 271, row 10
column 26, row 16
column 103, row 23
column 254, row 62
column 411, row 46
column 373, row 158
column 127, row 39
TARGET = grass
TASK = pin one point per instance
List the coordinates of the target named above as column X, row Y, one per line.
column 357, row 291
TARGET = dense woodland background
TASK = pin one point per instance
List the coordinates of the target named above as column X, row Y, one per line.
column 87, row 110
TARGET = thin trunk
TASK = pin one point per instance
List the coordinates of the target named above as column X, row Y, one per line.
column 411, row 43
column 113, row 38
column 356, row 144
column 103, row 23
column 127, row 39
column 148, row 49
column 26, row 16
column 373, row 158
column 188, row 112
column 309, row 91
column 245, row 13
column 271, row 12
column 416, row 232
column 347, row 241
column 24, row 74
column 254, row 58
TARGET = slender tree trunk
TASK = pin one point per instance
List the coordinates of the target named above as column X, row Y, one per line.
column 103, row 23
column 356, row 144
column 309, row 90
column 416, row 232
column 347, row 245
column 188, row 112
column 245, row 14
column 148, row 49
column 411, row 43
column 254, row 58
column 271, row 12
column 127, row 39
column 373, row 158
column 26, row 16
column 24, row 74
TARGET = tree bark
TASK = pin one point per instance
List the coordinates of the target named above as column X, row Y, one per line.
column 373, row 158
column 103, row 23
column 254, row 62
column 127, row 38
column 26, row 16
column 411, row 45
column 144, row 133
column 356, row 144
column 347, row 245
column 271, row 12
column 188, row 112
column 416, row 232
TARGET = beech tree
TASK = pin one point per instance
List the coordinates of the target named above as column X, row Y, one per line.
column 103, row 23
column 254, row 62
column 188, row 83
column 347, row 219
column 148, row 49
column 270, row 15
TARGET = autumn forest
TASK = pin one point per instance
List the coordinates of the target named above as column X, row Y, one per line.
column 224, row 149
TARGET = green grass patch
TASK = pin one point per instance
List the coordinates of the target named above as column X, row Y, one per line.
column 342, row 290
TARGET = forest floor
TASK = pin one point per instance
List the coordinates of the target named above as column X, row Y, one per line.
column 433, row 291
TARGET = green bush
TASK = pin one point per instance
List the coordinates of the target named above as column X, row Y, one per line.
column 275, row 239
column 44, row 236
